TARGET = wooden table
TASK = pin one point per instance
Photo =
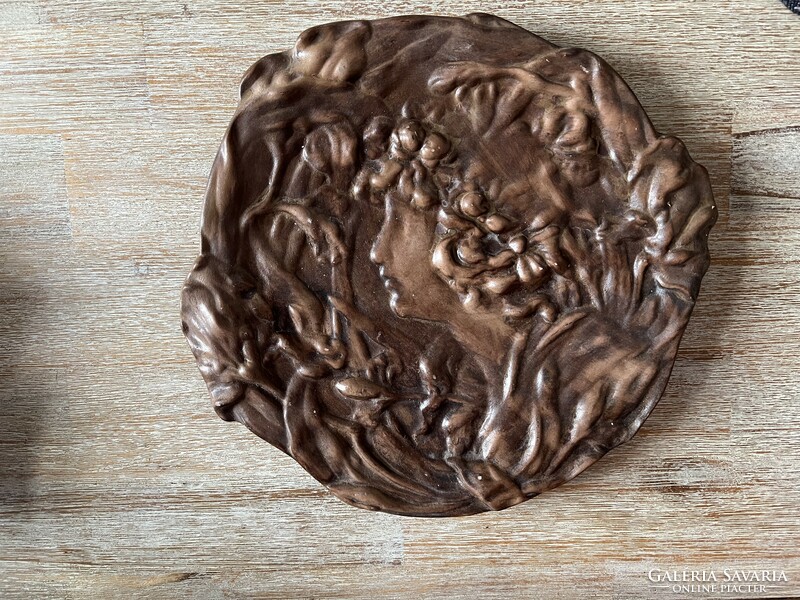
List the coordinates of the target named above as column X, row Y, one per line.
column 116, row 478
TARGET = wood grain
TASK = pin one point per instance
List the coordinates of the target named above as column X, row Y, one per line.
column 116, row 478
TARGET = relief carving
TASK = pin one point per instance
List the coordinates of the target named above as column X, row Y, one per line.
column 445, row 265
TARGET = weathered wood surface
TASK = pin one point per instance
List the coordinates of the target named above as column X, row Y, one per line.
column 116, row 478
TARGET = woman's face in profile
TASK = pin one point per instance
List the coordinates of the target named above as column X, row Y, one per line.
column 427, row 188
column 402, row 252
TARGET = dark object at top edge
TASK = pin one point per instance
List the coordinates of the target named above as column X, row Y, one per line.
column 792, row 5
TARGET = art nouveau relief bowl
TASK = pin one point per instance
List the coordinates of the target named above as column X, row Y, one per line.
column 445, row 264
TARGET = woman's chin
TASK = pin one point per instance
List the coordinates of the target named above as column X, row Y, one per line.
column 396, row 304
column 399, row 306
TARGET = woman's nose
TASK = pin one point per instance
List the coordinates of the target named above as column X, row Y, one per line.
column 381, row 247
column 377, row 253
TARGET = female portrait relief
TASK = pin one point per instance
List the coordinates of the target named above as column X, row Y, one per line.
column 445, row 265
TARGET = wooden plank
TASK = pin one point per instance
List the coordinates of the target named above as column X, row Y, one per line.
column 769, row 162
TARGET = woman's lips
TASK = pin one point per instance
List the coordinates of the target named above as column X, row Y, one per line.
column 389, row 283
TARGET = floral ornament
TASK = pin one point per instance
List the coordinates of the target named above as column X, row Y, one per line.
column 405, row 159
column 487, row 256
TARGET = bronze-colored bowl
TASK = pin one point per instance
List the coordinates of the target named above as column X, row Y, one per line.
column 445, row 264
